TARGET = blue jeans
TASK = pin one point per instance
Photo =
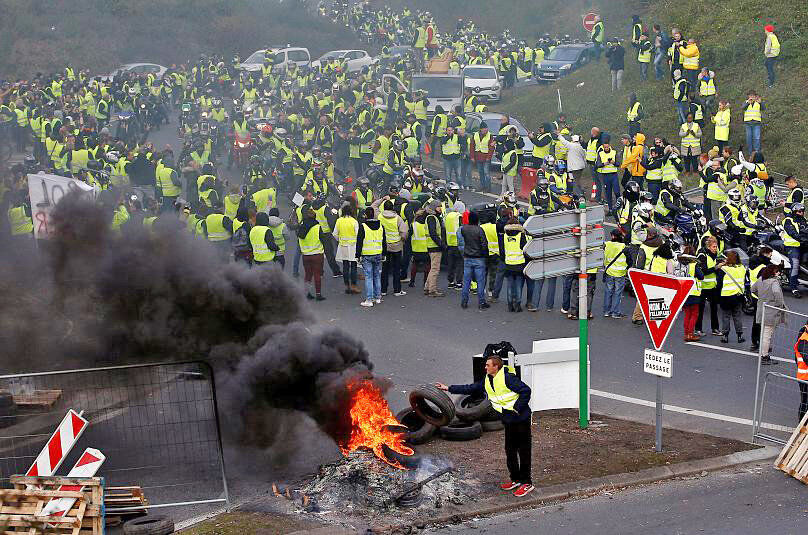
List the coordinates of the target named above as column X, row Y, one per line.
column 567, row 290
column 372, row 265
column 682, row 109
column 465, row 172
column 752, row 136
column 451, row 167
column 612, row 294
column 611, row 186
column 549, row 300
column 659, row 65
column 473, row 268
column 485, row 178
column 769, row 62
column 499, row 280
column 654, row 187
column 514, row 286
column 794, row 256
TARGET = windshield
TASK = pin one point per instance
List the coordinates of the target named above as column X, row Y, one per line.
column 439, row 87
column 332, row 55
column 479, row 73
column 494, row 125
column 256, row 57
column 564, row 54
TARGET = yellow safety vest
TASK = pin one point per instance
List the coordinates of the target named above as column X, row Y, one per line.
column 280, row 241
column 722, row 119
column 691, row 140
column 481, row 143
column 430, row 243
column 390, row 226
column 691, row 271
column 372, row 243
column 490, row 230
column 707, row 88
column 775, row 45
column 347, row 230
column 500, row 396
column 612, row 250
column 507, row 159
column 216, row 230
column 362, row 199
column 659, row 265
column 788, row 240
column 264, row 199
column 649, row 255
column 633, row 112
column 452, row 222
column 451, row 145
column 261, row 251
column 734, row 277
column 168, row 187
column 592, row 150
column 542, row 152
column 513, row 252
column 607, row 167
column 752, row 113
column 418, row 242
column 710, row 280
column 311, row 244
column 439, row 123
column 19, row 222
column 753, row 276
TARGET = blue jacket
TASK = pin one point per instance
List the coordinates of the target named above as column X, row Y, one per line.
column 521, row 409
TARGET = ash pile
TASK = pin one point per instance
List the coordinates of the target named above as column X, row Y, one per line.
column 363, row 485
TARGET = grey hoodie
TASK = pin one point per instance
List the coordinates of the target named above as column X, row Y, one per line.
column 274, row 223
column 403, row 230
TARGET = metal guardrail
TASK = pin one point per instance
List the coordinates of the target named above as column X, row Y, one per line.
column 757, row 423
column 157, row 424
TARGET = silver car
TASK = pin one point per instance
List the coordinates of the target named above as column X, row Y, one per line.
column 494, row 122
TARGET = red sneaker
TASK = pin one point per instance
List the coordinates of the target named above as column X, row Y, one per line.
column 523, row 490
column 509, row 485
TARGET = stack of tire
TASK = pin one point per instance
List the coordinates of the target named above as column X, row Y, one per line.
column 433, row 412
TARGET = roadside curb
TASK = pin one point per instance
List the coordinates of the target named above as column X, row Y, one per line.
column 541, row 496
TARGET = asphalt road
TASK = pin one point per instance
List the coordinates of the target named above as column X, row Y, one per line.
column 748, row 500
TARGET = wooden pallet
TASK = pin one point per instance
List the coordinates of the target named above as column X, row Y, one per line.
column 793, row 460
column 124, row 497
column 37, row 398
column 20, row 508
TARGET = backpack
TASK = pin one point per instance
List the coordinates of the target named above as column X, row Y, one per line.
column 241, row 242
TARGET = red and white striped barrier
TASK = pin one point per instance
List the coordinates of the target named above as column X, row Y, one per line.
column 59, row 445
column 87, row 466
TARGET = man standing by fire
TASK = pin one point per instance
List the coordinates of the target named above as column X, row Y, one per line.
column 510, row 397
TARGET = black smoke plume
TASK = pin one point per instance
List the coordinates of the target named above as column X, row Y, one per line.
column 92, row 297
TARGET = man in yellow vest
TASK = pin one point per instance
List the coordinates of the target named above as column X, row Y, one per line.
column 794, row 235
column 510, row 397
column 597, row 36
column 262, row 240
column 772, row 51
column 19, row 218
column 616, row 262
column 395, row 234
column 721, row 120
column 752, row 120
column 371, row 243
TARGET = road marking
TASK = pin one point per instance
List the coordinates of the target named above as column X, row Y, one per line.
column 691, row 412
column 733, row 350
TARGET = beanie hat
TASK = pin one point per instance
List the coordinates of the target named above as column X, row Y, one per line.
column 769, row 28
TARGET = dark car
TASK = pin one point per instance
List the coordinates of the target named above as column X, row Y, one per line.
column 564, row 59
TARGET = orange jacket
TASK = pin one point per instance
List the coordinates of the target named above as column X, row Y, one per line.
column 633, row 161
column 802, row 366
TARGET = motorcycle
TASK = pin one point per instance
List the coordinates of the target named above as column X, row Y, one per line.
column 186, row 117
column 240, row 151
column 690, row 225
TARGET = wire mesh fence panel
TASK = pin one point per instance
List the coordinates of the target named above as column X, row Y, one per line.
column 778, row 395
column 156, row 424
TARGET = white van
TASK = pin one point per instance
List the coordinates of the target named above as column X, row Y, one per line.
column 445, row 90
column 283, row 57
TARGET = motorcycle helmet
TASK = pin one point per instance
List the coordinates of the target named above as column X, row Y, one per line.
column 407, row 184
column 646, row 196
column 561, row 166
column 394, row 188
column 632, row 191
column 549, row 162
column 542, row 184
column 643, row 211
column 415, row 161
column 398, row 145
column 675, row 185
column 454, row 186
column 510, row 197
column 798, row 207
column 363, row 181
column 734, row 195
column 113, row 157
column 717, row 228
column 752, row 202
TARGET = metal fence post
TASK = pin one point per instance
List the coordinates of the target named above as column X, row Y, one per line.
column 757, row 375
column 583, row 329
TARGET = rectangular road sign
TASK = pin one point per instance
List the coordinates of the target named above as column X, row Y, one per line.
column 563, row 264
column 537, row 225
column 658, row 363
column 561, row 243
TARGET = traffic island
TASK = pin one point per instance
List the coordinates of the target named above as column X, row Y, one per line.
column 567, row 462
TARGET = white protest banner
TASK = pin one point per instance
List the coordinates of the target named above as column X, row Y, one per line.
column 45, row 191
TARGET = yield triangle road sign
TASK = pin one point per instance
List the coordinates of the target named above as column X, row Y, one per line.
column 661, row 298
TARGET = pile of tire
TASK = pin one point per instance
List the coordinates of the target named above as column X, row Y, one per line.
column 432, row 412
column 149, row 525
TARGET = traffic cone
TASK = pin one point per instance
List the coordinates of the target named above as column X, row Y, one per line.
column 594, row 192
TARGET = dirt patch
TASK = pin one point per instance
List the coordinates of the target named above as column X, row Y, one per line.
column 563, row 453
column 242, row 523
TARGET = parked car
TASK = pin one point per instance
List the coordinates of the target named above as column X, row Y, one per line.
column 445, row 90
column 395, row 52
column 136, row 68
column 283, row 56
column 483, row 80
column 564, row 59
column 354, row 59
column 494, row 122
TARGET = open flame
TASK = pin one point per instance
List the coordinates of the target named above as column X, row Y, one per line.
column 371, row 422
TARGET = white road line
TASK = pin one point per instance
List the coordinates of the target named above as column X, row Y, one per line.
column 733, row 350
column 691, row 412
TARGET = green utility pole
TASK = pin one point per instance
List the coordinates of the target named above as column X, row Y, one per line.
column 583, row 329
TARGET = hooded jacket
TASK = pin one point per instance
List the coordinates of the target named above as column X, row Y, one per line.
column 403, row 230
column 633, row 162
column 512, row 230
column 373, row 224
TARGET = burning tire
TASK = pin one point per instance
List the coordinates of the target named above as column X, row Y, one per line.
column 426, row 399
column 471, row 409
column 492, row 425
column 462, row 431
column 410, row 462
column 149, row 525
column 419, row 430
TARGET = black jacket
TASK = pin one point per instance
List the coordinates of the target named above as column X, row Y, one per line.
column 373, row 224
column 521, row 409
column 616, row 56
column 475, row 244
